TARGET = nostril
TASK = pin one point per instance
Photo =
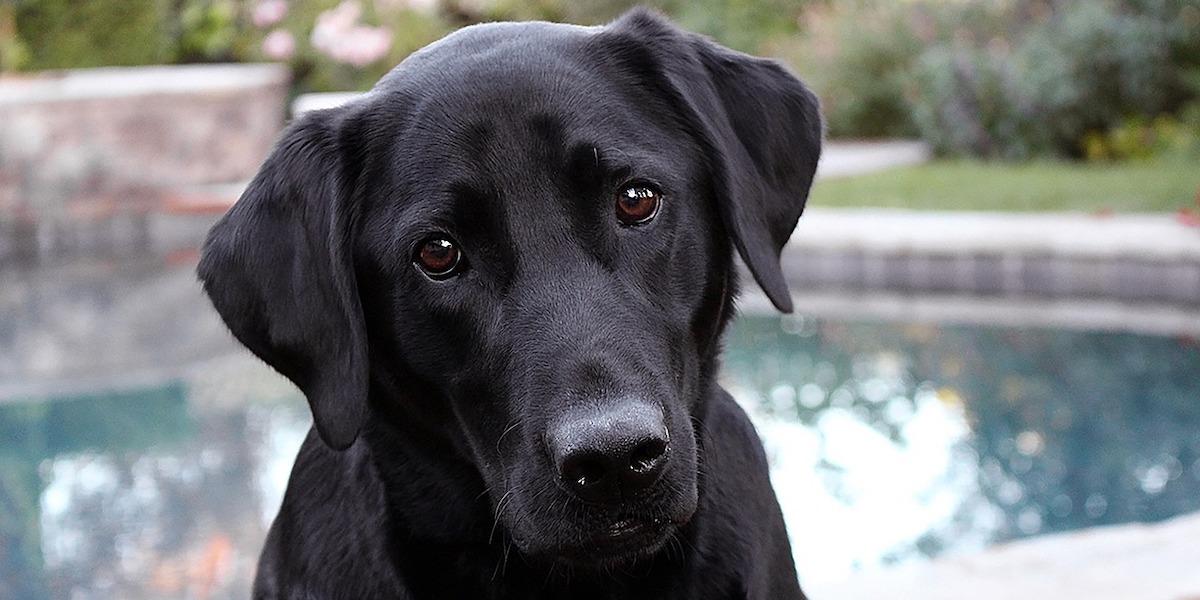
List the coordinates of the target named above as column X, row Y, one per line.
column 583, row 471
column 647, row 455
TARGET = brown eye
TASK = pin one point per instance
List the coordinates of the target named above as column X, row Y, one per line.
column 637, row 204
column 438, row 257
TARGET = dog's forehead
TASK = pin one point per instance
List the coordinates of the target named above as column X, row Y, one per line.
column 502, row 104
column 502, row 72
column 464, row 87
column 515, row 132
column 494, row 45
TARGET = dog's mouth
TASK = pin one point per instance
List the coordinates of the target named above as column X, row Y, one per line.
column 623, row 540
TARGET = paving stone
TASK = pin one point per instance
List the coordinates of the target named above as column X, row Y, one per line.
column 1124, row 562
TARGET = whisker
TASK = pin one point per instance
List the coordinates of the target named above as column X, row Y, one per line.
column 517, row 422
column 496, row 515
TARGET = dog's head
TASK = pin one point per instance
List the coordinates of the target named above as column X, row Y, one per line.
column 521, row 238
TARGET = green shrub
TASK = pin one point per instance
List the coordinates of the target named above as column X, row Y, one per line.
column 990, row 78
column 855, row 54
column 1084, row 68
column 13, row 53
column 61, row 34
column 54, row 34
column 207, row 31
column 965, row 103
column 1090, row 67
column 1139, row 137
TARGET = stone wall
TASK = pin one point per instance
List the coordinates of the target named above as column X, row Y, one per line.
column 91, row 159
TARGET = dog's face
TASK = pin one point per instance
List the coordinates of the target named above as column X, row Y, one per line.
column 550, row 283
column 521, row 240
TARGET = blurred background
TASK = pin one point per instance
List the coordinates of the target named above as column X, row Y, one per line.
column 991, row 385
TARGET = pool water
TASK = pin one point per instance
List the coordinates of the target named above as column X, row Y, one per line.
column 889, row 443
column 896, row 442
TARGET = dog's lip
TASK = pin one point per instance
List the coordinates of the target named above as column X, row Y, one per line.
column 623, row 529
column 627, row 535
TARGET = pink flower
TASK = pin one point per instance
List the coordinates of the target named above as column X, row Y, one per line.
column 364, row 45
column 421, row 6
column 335, row 23
column 279, row 45
column 269, row 12
column 339, row 35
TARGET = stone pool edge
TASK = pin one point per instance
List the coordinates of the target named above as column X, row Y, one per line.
column 1152, row 561
column 1138, row 258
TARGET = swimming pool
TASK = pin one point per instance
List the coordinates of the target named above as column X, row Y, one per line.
column 889, row 442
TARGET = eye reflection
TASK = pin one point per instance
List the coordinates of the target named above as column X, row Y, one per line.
column 637, row 204
column 438, row 257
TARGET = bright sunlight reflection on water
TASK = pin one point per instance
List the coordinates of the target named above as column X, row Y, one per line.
column 894, row 442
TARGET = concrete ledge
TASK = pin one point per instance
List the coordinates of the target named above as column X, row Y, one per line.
column 1077, row 314
column 145, row 125
column 1133, row 258
column 122, row 82
column 1133, row 236
column 1150, row 562
column 841, row 158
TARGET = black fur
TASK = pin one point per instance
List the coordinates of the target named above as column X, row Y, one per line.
column 427, row 475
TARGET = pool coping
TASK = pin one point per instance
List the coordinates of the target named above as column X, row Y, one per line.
column 1134, row 258
column 960, row 309
column 1150, row 236
column 1101, row 563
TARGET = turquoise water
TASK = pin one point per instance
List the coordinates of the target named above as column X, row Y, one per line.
column 889, row 443
column 895, row 442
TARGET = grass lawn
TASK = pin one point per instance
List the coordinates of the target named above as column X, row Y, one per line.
column 1144, row 186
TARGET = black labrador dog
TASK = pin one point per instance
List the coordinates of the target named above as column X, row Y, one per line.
column 500, row 278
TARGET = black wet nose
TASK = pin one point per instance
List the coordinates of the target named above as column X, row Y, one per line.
column 611, row 453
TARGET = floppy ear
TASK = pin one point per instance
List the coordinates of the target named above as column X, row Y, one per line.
column 278, row 269
column 761, row 128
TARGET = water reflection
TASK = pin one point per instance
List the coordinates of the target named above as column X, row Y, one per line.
column 888, row 443
column 151, row 492
column 894, row 442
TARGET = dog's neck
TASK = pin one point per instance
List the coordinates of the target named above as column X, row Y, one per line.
column 416, row 466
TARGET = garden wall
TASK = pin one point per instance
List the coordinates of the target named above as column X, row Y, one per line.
column 105, row 160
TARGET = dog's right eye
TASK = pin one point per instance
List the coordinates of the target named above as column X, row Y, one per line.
column 637, row 204
column 438, row 257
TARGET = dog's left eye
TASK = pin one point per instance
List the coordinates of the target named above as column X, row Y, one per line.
column 438, row 257
column 637, row 204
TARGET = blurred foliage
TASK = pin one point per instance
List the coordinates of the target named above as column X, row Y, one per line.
column 57, row 34
column 999, row 78
column 206, row 31
column 1083, row 68
column 13, row 53
column 66, row 33
column 856, row 54
column 989, row 78
column 1139, row 137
